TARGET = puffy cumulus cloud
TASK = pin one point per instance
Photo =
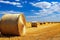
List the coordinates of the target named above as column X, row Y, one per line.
column 54, row 2
column 12, row 3
column 42, row 4
column 47, row 8
column 50, row 11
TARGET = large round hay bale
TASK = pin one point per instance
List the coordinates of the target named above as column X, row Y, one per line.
column 13, row 24
column 0, row 23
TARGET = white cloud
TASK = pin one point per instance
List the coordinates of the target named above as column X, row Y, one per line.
column 32, row 16
column 55, row 17
column 54, row 2
column 50, row 18
column 47, row 8
column 49, row 12
column 12, row 3
column 10, row 12
column 42, row 4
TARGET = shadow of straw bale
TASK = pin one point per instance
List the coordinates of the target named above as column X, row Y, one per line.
column 7, row 35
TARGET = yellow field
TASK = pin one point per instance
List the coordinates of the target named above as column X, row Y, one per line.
column 43, row 32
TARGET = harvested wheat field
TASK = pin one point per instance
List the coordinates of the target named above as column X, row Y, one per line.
column 43, row 32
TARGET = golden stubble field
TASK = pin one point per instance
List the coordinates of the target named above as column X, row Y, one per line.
column 43, row 32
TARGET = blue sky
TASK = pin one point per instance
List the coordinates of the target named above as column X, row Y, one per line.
column 34, row 10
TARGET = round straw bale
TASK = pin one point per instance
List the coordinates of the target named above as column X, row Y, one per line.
column 12, row 24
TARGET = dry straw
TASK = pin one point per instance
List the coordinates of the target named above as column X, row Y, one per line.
column 13, row 24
